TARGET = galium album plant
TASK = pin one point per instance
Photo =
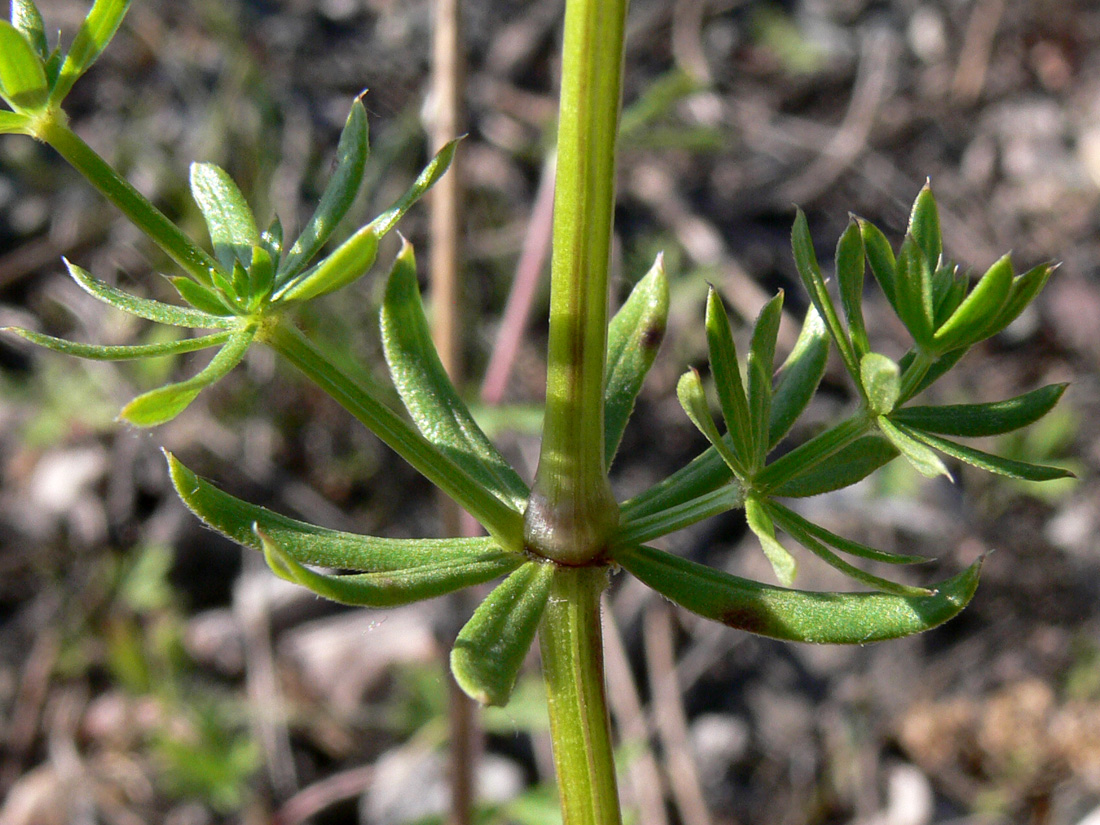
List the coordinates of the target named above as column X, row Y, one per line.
column 556, row 542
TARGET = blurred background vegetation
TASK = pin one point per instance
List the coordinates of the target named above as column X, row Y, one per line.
column 149, row 672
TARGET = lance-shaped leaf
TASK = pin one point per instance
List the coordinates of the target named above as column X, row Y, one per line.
column 97, row 352
column 689, row 389
column 881, row 379
column 913, row 280
column 165, row 403
column 852, row 548
column 760, row 523
column 703, row 474
column 985, row 461
column 844, row 468
column 261, row 276
column 271, row 239
column 949, row 287
column 799, row 376
column 1024, row 290
column 490, row 649
column 22, row 76
column 726, row 369
column 348, row 263
column 978, row 311
column 760, row 366
column 428, row 393
column 391, row 588
column 922, row 458
column 207, row 300
column 227, row 214
column 880, row 258
column 849, row 274
column 343, row 186
column 310, row 544
column 633, row 338
column 663, row 522
column 794, row 527
column 435, row 169
column 797, row 615
column 924, row 225
column 91, row 39
column 26, row 17
column 811, row 453
column 937, row 370
column 148, row 309
column 975, row 420
column 810, row 272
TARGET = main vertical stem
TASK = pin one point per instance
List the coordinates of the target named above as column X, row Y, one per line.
column 571, row 643
column 572, row 510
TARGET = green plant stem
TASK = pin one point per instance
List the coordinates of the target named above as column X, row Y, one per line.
column 503, row 523
column 572, row 510
column 571, row 643
column 135, row 206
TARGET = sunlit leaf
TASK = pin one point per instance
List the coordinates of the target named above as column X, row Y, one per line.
column 165, row 403
column 978, row 310
column 435, row 169
column 849, row 274
column 427, row 392
column 390, row 588
column 985, row 461
column 310, row 544
column 348, row 263
column 689, row 390
column 98, row 352
column 973, row 420
column 13, row 123
column 227, row 214
column 881, row 382
column 490, row 649
column 913, row 280
column 343, row 186
column 799, row 376
column 26, row 17
column 91, row 39
column 796, row 615
column 1024, row 290
column 922, row 458
column 760, row 523
column 844, row 468
column 148, row 309
column 880, row 258
column 760, row 367
column 852, row 548
column 22, row 75
column 924, row 226
column 633, row 338
column 261, row 276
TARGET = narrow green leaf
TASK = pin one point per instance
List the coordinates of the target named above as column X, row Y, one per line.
column 811, row 453
column 425, row 181
column 689, row 389
column 761, row 367
column 948, row 291
column 310, row 544
column 390, row 588
column 1024, row 290
column 881, row 382
column 26, row 17
column 165, row 403
column 633, row 338
column 923, row 459
column 98, row 352
column 22, row 75
column 91, row 39
column 985, row 461
column 272, row 240
column 348, row 263
column 760, row 523
column 973, row 420
column 726, row 370
column 799, row 376
column 913, row 279
column 806, row 261
column 808, row 540
column 241, row 284
column 850, row 267
column 14, row 123
column 702, row 475
column 227, row 214
column 924, row 225
column 880, row 257
column 148, row 309
column 940, row 367
column 343, row 186
column 797, row 615
column 979, row 310
column 852, row 548
column 205, row 299
column 261, row 276
column 846, row 467
column 426, row 390
column 490, row 649
column 663, row 522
